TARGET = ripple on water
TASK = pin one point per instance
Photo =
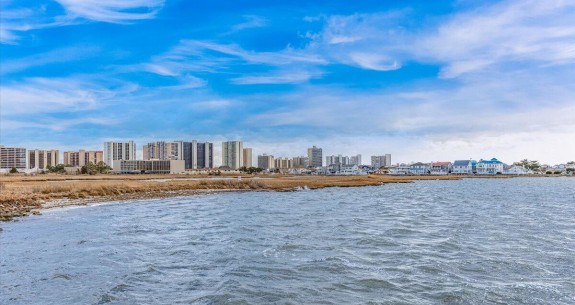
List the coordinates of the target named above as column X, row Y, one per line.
column 479, row 241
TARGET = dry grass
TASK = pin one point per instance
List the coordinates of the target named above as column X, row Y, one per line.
column 20, row 196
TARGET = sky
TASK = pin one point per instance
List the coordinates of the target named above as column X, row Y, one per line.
column 422, row 80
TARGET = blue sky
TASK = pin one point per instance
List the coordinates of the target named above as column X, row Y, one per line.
column 423, row 80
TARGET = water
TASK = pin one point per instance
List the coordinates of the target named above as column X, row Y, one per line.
column 477, row 241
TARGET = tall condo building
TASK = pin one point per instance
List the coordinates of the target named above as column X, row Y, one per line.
column 41, row 159
column 379, row 161
column 12, row 157
column 283, row 163
column 119, row 151
column 83, row 157
column 233, row 154
column 198, row 155
column 300, row 162
column 248, row 157
column 266, row 161
column 163, row 150
column 387, row 160
column 315, row 156
column 355, row 160
column 339, row 159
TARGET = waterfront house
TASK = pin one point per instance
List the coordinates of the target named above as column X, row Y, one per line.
column 441, row 168
column 462, row 167
column 517, row 170
column 419, row 168
column 489, row 167
column 399, row 170
column 349, row 169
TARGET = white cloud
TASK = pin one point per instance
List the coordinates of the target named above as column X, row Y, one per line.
column 113, row 11
column 502, row 33
column 252, row 21
column 46, row 95
column 51, row 57
column 281, row 77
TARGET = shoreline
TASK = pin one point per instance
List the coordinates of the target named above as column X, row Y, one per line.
column 23, row 196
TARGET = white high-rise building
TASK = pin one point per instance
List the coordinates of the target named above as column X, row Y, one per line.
column 315, row 157
column 355, row 160
column 233, row 154
column 119, row 151
column 266, row 161
column 379, row 161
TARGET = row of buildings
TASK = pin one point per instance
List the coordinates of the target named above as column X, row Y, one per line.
column 173, row 157
column 473, row 167
column 194, row 156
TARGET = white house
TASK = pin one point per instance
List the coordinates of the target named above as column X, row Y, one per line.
column 349, row 169
column 517, row 170
column 462, row 167
column 399, row 170
column 489, row 167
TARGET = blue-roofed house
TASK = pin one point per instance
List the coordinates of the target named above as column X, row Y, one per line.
column 489, row 167
column 462, row 167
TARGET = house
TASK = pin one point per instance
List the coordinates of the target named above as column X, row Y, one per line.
column 349, row 169
column 441, row 168
column 419, row 168
column 399, row 170
column 517, row 170
column 462, row 167
column 489, row 167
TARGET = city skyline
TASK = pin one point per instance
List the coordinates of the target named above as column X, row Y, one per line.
column 423, row 81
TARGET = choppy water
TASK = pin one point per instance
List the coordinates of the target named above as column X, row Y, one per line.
column 477, row 241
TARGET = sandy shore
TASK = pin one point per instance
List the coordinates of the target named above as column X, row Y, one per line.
column 24, row 195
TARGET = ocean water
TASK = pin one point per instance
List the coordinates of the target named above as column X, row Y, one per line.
column 475, row 241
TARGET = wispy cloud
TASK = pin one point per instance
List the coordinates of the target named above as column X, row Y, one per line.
column 280, row 77
column 511, row 31
column 113, row 11
column 50, row 95
column 57, row 56
column 252, row 21
column 16, row 20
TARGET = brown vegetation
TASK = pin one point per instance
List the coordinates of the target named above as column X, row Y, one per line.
column 20, row 196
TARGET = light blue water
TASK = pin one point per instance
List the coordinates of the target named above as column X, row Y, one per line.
column 476, row 241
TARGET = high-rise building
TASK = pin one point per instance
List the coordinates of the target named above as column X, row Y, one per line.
column 12, row 157
column 266, row 161
column 41, row 159
column 387, row 162
column 315, row 157
column 355, row 160
column 248, row 157
column 300, row 162
column 205, row 155
column 283, row 163
column 82, row 157
column 339, row 159
column 379, row 161
column 163, row 150
column 233, row 154
column 119, row 151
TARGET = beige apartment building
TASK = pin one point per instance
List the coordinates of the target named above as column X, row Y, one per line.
column 41, row 159
column 248, row 157
column 83, row 157
column 283, row 163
